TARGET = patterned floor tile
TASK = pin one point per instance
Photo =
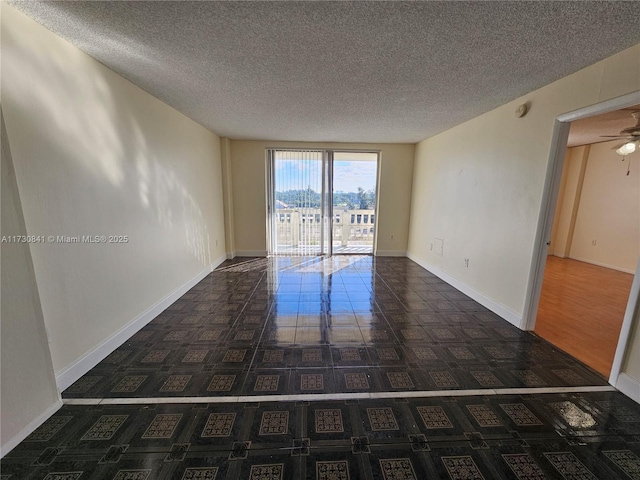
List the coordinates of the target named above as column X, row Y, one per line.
column 462, row 468
column 499, row 353
column 569, row 466
column 434, row 417
column 349, row 354
column 105, row 428
column 162, row 426
column 476, row 333
column 529, row 378
column 337, row 470
column 461, row 353
column 211, row 335
column 274, row 423
column 63, row 475
column 400, row 380
column 84, row 384
column 430, row 325
column 424, row 353
column 444, row 379
column 626, row 461
column 311, row 355
column 200, row 473
column 219, row 425
column 523, row 466
column 234, row 356
column 413, row 333
column 175, row 336
column 387, row 354
column 175, row 383
column 486, row 378
column 520, row 414
column 244, row 335
column 329, row 421
column 195, row 356
column 47, row 430
column 267, row 472
column 221, row 383
column 382, row 419
column 443, row 333
column 130, row 383
column 273, row 356
column 156, row 356
column 311, row 381
column 356, row 381
column 132, row 474
column 397, row 469
column 266, row 383
column 484, row 416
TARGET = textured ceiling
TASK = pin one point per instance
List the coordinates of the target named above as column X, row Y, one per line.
column 591, row 130
column 340, row 71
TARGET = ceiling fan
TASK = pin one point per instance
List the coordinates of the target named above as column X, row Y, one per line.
column 632, row 139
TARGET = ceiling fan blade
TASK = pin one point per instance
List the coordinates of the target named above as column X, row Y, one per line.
column 618, row 146
column 612, row 136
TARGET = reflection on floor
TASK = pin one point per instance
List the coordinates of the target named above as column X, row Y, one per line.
column 578, row 436
column 315, row 250
column 581, row 310
column 342, row 368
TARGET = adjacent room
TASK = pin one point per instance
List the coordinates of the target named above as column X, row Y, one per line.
column 594, row 247
column 324, row 240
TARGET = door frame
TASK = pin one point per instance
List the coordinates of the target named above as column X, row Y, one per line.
column 545, row 223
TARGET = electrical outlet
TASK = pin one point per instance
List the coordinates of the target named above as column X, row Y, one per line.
column 466, row 262
column 216, row 242
column 594, row 242
column 431, row 248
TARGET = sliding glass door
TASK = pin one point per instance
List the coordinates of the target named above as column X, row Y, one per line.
column 321, row 202
column 354, row 202
column 297, row 203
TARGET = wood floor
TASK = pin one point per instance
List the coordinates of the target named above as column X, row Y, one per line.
column 581, row 310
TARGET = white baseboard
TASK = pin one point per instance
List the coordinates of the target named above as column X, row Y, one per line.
column 629, row 386
column 497, row 308
column 231, row 255
column 71, row 373
column 391, row 253
column 30, row 428
column 605, row 265
column 251, row 253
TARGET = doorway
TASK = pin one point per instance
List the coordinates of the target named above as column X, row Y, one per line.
column 595, row 243
column 588, row 250
column 321, row 202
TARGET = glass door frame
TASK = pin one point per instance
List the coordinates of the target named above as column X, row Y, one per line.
column 326, row 203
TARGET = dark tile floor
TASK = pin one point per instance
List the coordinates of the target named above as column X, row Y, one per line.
column 344, row 325
column 570, row 436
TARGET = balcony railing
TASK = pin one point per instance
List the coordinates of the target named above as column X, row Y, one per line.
column 353, row 230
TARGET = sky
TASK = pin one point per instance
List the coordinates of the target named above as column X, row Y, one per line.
column 348, row 175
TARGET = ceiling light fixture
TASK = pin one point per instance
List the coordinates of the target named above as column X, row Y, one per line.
column 626, row 149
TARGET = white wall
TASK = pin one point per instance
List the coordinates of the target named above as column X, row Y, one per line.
column 28, row 385
column 609, row 211
column 479, row 185
column 248, row 163
column 96, row 155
